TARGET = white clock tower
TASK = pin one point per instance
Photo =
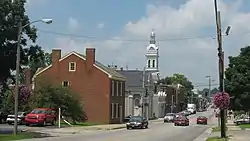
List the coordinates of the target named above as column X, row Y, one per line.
column 152, row 55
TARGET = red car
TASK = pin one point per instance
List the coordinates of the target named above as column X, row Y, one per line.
column 41, row 116
column 202, row 120
column 181, row 121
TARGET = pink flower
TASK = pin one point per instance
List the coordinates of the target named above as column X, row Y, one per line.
column 222, row 100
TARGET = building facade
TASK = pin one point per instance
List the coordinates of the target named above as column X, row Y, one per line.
column 101, row 89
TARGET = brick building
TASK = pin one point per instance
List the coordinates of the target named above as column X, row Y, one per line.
column 100, row 88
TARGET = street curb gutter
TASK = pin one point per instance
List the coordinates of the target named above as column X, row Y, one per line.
column 204, row 135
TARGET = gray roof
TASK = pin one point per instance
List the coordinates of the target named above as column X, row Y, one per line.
column 113, row 73
column 134, row 78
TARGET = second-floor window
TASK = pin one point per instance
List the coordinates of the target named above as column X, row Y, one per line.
column 72, row 66
column 65, row 83
column 121, row 88
column 117, row 88
column 113, row 88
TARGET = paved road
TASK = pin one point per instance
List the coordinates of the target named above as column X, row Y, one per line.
column 157, row 131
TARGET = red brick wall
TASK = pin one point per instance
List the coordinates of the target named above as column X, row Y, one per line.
column 93, row 86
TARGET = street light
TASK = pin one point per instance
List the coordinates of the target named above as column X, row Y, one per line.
column 20, row 28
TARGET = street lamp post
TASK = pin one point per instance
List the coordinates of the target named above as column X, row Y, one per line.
column 20, row 28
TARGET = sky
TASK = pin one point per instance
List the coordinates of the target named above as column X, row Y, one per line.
column 119, row 30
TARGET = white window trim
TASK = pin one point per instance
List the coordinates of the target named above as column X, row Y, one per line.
column 117, row 88
column 63, row 83
column 70, row 66
column 117, row 110
column 113, row 88
column 112, row 110
column 121, row 92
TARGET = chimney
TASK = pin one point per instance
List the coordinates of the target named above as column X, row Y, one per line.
column 27, row 78
column 90, row 58
column 56, row 55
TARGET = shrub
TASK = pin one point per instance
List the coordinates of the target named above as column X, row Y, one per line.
column 59, row 97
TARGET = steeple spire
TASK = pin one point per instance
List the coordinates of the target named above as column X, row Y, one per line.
column 152, row 37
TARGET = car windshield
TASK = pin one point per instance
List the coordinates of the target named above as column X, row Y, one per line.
column 169, row 114
column 20, row 113
column 38, row 111
column 136, row 119
column 202, row 117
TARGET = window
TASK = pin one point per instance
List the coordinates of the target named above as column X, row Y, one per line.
column 116, row 110
column 65, row 83
column 72, row 66
column 112, row 110
column 121, row 89
column 117, row 88
column 148, row 63
column 113, row 88
column 153, row 63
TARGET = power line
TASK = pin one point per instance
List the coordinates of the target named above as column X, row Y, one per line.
column 128, row 40
column 125, row 40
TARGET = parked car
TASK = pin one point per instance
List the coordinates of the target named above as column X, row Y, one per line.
column 186, row 113
column 181, row 121
column 245, row 120
column 41, row 116
column 127, row 118
column 201, row 120
column 169, row 117
column 20, row 118
column 3, row 117
column 137, row 122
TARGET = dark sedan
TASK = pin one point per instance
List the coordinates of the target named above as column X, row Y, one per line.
column 137, row 122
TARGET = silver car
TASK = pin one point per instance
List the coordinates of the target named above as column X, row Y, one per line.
column 169, row 117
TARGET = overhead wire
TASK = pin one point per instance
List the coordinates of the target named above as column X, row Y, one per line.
column 126, row 40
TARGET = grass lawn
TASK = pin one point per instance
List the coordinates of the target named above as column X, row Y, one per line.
column 217, row 139
column 19, row 136
column 243, row 126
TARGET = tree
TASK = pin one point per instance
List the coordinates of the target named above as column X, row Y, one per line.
column 11, row 14
column 59, row 97
column 237, row 82
column 178, row 79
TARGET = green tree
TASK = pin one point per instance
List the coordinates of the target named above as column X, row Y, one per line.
column 59, row 97
column 11, row 14
column 180, row 79
column 237, row 82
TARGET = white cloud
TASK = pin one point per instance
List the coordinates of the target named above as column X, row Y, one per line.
column 73, row 25
column 100, row 25
column 196, row 58
column 33, row 3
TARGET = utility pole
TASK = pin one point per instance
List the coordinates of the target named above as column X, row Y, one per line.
column 209, row 85
column 144, row 93
column 221, row 66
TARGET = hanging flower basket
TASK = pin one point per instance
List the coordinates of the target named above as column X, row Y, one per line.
column 222, row 100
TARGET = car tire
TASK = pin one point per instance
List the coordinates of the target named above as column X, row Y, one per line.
column 175, row 124
column 53, row 122
column 128, row 128
column 146, row 126
column 44, row 122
